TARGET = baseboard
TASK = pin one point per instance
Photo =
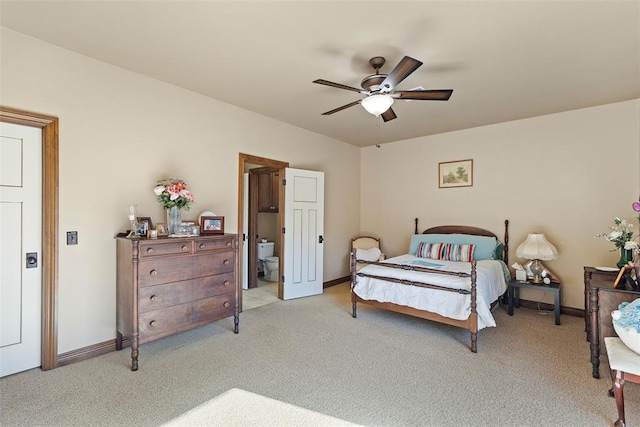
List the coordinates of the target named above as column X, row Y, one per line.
column 336, row 281
column 535, row 305
column 86, row 352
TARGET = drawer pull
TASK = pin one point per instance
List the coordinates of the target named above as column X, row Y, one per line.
column 150, row 250
column 202, row 246
column 153, row 323
column 225, row 262
column 225, row 304
column 153, row 298
column 185, row 247
column 229, row 243
column 226, row 283
column 153, row 273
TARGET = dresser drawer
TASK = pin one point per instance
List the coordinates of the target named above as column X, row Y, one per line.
column 160, row 296
column 214, row 244
column 214, row 285
column 214, row 263
column 160, row 321
column 213, row 308
column 156, row 271
column 175, row 247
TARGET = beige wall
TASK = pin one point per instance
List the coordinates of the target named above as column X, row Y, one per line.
column 119, row 133
column 566, row 175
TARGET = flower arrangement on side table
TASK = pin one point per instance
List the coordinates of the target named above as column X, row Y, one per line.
column 621, row 235
column 174, row 196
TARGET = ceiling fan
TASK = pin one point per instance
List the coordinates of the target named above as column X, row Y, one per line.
column 380, row 89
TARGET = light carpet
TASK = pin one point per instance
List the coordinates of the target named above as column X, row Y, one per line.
column 381, row 369
column 240, row 408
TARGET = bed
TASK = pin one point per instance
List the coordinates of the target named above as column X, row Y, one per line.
column 451, row 274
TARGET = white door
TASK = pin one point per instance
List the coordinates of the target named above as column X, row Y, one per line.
column 20, row 234
column 303, row 234
column 245, row 233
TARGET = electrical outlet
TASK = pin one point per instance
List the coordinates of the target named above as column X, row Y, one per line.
column 72, row 237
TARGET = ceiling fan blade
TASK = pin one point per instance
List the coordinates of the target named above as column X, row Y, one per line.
column 426, row 95
column 342, row 108
column 338, row 85
column 388, row 115
column 406, row 66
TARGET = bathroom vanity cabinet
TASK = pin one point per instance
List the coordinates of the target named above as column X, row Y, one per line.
column 268, row 191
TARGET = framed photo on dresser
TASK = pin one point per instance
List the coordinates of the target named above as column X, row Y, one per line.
column 161, row 228
column 627, row 279
column 211, row 225
column 145, row 223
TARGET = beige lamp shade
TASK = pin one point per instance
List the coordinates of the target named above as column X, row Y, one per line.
column 537, row 247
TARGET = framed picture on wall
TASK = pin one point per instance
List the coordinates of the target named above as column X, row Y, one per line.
column 211, row 225
column 457, row 173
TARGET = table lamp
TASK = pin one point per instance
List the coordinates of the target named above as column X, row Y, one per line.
column 536, row 248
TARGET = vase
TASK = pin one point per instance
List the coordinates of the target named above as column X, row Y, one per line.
column 174, row 219
column 626, row 255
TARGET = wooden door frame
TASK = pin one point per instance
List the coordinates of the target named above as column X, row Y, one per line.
column 262, row 161
column 49, row 259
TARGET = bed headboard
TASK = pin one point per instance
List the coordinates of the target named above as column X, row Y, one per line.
column 475, row 231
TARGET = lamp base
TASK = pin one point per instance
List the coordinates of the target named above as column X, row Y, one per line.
column 536, row 269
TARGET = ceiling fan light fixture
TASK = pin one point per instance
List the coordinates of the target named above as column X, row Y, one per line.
column 377, row 104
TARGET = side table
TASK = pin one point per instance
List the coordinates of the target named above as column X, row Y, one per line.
column 514, row 295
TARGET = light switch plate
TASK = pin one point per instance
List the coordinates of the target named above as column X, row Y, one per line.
column 72, row 237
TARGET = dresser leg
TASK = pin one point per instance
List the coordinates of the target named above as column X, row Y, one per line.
column 594, row 340
column 236, row 323
column 134, row 353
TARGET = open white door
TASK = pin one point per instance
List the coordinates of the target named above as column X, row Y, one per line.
column 303, row 233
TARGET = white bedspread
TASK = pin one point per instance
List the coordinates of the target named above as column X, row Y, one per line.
column 490, row 285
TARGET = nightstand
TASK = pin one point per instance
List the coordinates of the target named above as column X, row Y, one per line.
column 514, row 295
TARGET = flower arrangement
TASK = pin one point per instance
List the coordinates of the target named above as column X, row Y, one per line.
column 173, row 192
column 621, row 235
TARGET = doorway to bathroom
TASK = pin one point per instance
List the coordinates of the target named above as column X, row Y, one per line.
column 260, row 218
column 297, row 210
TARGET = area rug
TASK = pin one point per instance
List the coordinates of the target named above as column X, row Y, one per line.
column 238, row 407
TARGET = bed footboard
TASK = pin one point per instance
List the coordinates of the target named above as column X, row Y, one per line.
column 471, row 323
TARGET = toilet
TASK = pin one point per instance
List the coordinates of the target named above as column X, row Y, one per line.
column 267, row 262
column 271, row 268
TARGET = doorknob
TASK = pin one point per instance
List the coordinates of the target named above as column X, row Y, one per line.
column 32, row 259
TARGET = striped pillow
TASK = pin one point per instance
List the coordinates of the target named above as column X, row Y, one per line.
column 457, row 252
column 430, row 250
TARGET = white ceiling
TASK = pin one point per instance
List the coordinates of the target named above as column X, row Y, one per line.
column 504, row 59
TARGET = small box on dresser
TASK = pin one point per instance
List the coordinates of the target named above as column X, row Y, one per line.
column 170, row 285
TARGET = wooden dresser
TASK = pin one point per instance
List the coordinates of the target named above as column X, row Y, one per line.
column 169, row 285
column 600, row 300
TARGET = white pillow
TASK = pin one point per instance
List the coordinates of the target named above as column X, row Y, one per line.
column 371, row 254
